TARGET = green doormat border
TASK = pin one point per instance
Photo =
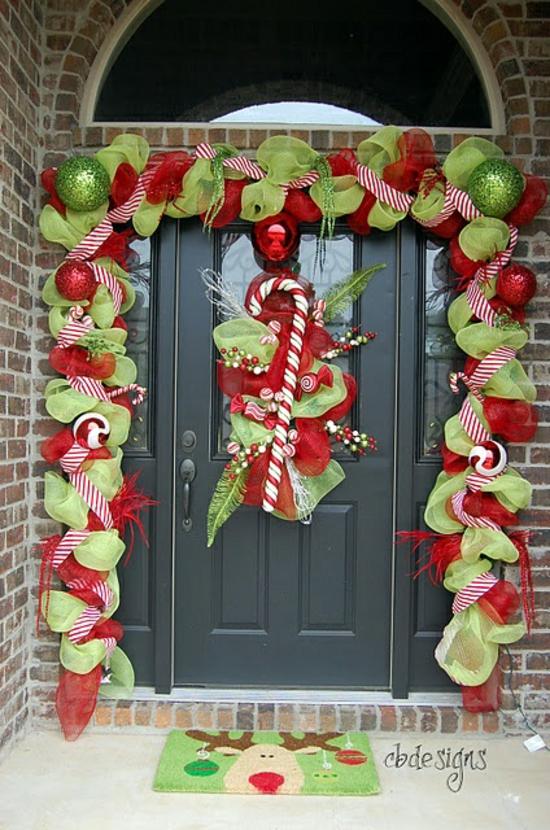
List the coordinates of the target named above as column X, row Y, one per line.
column 267, row 763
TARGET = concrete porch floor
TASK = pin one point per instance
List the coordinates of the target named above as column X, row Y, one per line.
column 103, row 782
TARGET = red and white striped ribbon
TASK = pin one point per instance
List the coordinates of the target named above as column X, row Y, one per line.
column 473, row 591
column 290, row 377
column 98, row 586
column 493, row 268
column 110, row 645
column 460, row 201
column 241, row 164
column 104, row 277
column 303, row 181
column 95, row 389
column 84, row 623
column 465, row 518
column 487, row 367
column 68, row 543
column 93, row 497
column 475, row 383
column 73, row 458
column 385, row 192
column 471, row 423
column 78, row 325
column 479, row 304
column 90, row 615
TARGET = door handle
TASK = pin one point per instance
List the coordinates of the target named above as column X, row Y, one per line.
column 187, row 473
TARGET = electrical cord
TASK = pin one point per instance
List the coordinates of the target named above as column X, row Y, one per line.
column 517, row 705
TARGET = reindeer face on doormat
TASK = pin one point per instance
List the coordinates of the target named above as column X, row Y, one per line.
column 267, row 763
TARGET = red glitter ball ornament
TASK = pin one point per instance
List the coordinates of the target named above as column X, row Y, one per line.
column 75, row 280
column 276, row 238
column 516, row 285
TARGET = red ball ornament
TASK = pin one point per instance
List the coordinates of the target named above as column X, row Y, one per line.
column 516, row 285
column 277, row 237
column 351, row 757
column 75, row 280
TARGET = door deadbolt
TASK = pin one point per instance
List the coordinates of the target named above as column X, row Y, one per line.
column 188, row 440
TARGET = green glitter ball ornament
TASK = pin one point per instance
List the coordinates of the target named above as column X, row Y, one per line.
column 82, row 183
column 495, row 187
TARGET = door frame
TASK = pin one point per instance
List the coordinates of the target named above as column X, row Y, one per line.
column 408, row 329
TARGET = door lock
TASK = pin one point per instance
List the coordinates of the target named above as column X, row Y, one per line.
column 188, row 440
column 188, row 472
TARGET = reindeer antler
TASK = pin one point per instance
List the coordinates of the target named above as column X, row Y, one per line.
column 221, row 739
column 309, row 739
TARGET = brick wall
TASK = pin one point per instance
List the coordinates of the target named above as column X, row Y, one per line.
column 21, row 27
column 515, row 36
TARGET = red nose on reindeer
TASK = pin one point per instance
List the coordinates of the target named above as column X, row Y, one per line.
column 267, row 782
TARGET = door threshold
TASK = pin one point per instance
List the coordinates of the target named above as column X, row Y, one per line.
column 319, row 696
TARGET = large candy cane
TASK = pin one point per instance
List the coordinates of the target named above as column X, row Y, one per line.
column 290, row 377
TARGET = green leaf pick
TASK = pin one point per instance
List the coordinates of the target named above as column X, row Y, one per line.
column 226, row 498
column 345, row 292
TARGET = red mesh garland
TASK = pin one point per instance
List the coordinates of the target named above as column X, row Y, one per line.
column 358, row 221
column 76, row 699
column 55, row 447
column 47, row 179
column 515, row 421
column 501, row 602
column 343, row 163
column 47, row 549
column 488, row 506
column 231, row 207
column 117, row 247
column 417, row 155
column 463, row 265
column 532, row 201
column 453, row 463
column 520, row 539
column 483, row 698
column 77, row 361
column 170, row 168
column 312, row 447
column 341, row 409
column 302, row 206
column 123, row 184
column 71, row 570
column 449, row 227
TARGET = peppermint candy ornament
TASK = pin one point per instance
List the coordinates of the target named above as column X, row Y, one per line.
column 488, row 459
column 91, row 430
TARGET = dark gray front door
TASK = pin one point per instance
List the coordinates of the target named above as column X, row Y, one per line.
column 274, row 603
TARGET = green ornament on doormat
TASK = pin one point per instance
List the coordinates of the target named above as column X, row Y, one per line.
column 82, row 183
column 495, row 187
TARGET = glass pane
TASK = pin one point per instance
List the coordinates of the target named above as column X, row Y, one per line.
column 238, row 266
column 138, row 343
column 441, row 354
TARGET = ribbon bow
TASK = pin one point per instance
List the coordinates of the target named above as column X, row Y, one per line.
column 252, row 410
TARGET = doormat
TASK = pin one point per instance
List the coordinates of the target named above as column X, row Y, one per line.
column 267, row 763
